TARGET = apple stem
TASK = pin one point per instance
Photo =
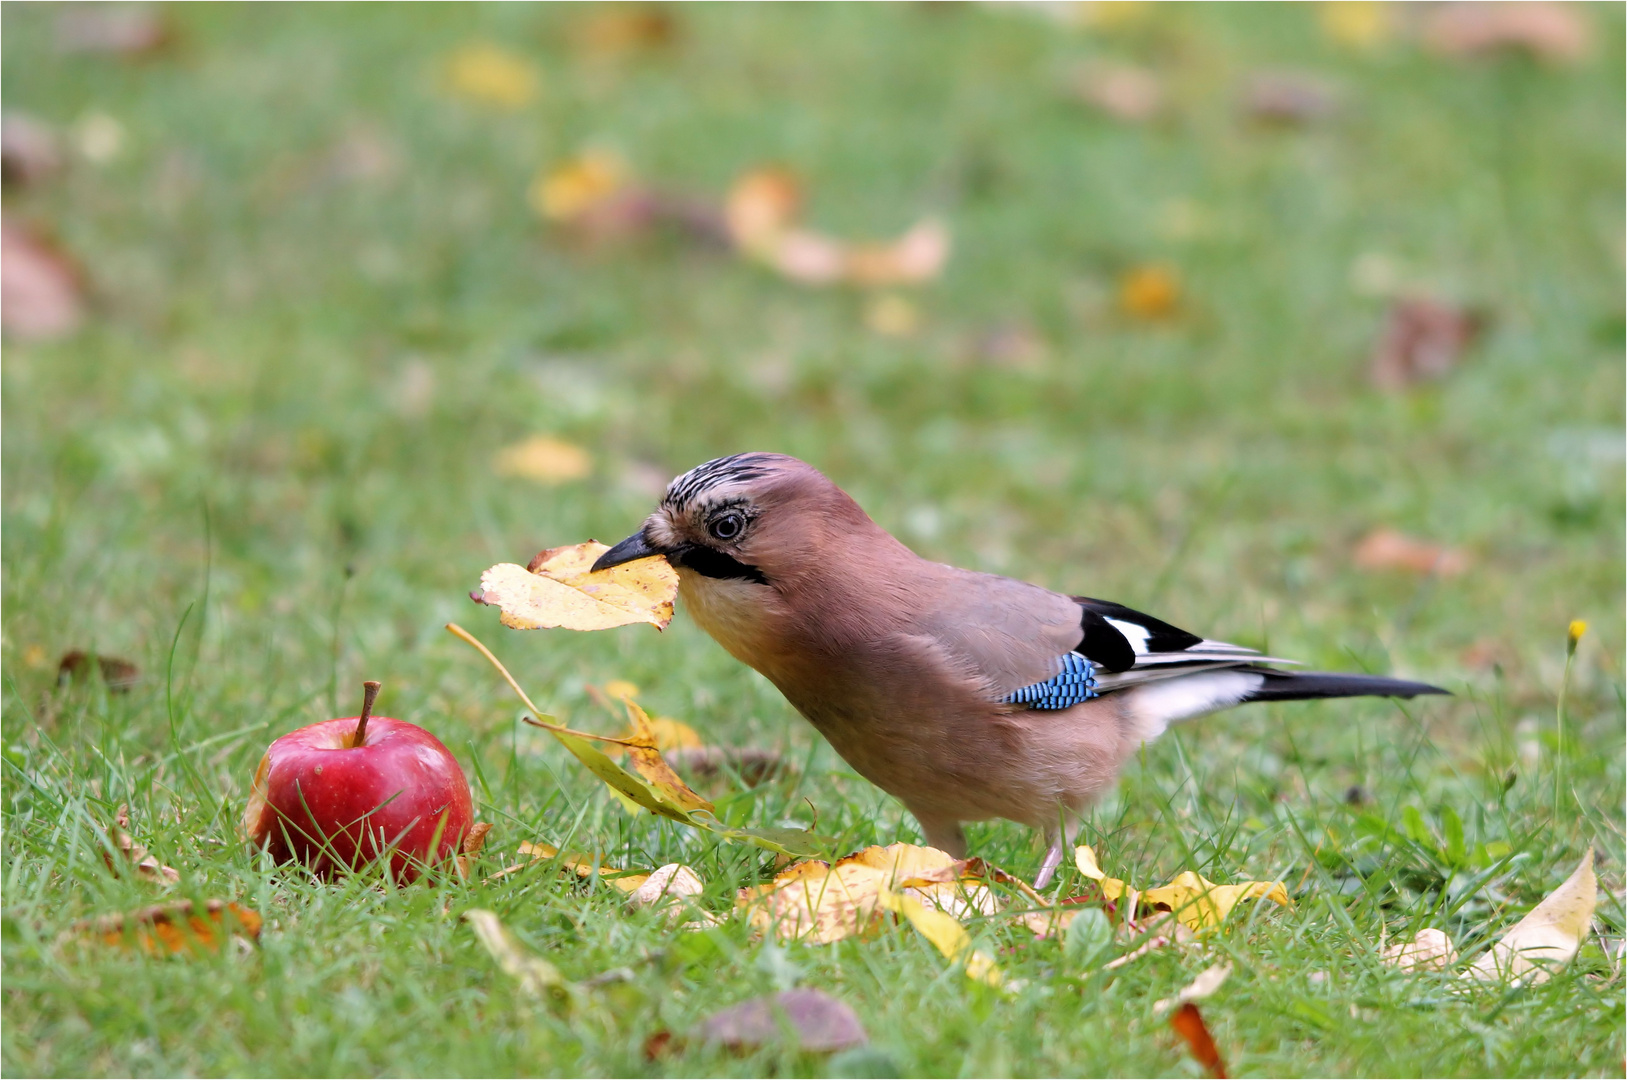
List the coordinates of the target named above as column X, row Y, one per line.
column 370, row 693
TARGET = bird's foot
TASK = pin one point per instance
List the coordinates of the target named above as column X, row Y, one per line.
column 1047, row 869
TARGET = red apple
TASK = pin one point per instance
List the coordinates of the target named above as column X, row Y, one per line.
column 338, row 794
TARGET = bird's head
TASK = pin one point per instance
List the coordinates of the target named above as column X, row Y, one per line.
column 754, row 517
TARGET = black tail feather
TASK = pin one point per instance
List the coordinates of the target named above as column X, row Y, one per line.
column 1305, row 685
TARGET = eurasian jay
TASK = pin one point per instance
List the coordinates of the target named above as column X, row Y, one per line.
column 967, row 696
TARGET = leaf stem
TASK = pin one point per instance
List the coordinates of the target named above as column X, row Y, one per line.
column 543, row 720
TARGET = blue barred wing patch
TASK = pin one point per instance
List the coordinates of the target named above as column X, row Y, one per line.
column 1076, row 682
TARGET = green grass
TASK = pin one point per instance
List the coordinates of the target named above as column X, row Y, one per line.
column 262, row 472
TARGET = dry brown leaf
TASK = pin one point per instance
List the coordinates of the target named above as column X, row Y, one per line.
column 1387, row 549
column 1553, row 32
column 762, row 205
column 1548, row 936
column 1207, row 982
column 1429, row 950
column 1289, row 97
column 112, row 30
column 131, row 853
column 489, row 75
column 559, row 590
column 917, row 256
column 119, row 675
column 1188, row 1024
column 1423, row 339
column 474, row 841
column 543, row 459
column 1124, row 92
column 30, row 152
column 627, row 28
column 41, row 289
column 818, row 1023
column 172, row 928
column 1150, row 293
column 761, row 215
column 666, row 885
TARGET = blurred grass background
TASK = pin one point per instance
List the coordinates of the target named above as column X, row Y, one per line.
column 320, row 304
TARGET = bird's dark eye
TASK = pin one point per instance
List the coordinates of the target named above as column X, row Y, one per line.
column 727, row 526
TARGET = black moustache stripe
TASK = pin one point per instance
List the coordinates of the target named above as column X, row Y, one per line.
column 714, row 564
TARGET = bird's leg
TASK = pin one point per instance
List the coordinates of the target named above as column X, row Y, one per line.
column 946, row 836
column 1061, row 836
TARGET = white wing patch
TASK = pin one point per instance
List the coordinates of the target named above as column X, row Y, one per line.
column 1136, row 635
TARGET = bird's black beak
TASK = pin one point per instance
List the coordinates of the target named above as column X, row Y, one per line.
column 634, row 547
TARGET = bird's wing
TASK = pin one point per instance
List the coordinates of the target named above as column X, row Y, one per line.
column 1118, row 648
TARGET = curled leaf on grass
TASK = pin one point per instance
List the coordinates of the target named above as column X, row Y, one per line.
column 560, row 589
column 1429, row 950
column 637, row 791
column 1208, row 981
column 536, row 976
column 762, row 212
column 172, row 928
column 683, row 748
column 1549, row 935
column 474, row 841
column 124, row 852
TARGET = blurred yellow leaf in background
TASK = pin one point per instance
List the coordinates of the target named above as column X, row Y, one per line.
column 1149, row 292
column 569, row 190
column 489, row 75
column 1358, row 24
column 544, row 459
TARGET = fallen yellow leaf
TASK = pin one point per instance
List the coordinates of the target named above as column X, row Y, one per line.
column 490, row 75
column 649, row 763
column 1548, row 936
column 630, row 788
column 543, row 459
column 1203, row 905
column 1085, row 859
column 568, row 191
column 1358, row 24
column 761, row 205
column 1149, row 292
column 947, row 935
column 560, row 590
column 1196, row 901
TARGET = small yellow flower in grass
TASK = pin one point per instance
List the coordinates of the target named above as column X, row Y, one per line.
column 1578, row 627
